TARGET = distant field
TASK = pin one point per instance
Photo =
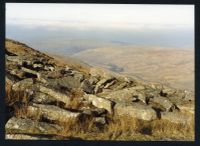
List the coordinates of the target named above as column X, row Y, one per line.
column 171, row 66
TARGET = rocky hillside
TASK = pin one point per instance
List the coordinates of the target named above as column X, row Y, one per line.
column 50, row 99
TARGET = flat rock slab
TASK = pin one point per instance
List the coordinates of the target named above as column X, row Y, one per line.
column 42, row 98
column 17, row 59
column 28, row 126
column 100, row 102
column 28, row 137
column 135, row 110
column 68, row 82
column 55, row 94
column 52, row 112
column 124, row 94
column 33, row 72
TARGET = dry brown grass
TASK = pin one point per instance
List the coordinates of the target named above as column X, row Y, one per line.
column 75, row 102
column 72, row 63
column 126, row 128
column 16, row 100
column 173, row 130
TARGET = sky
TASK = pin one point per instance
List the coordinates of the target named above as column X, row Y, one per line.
column 52, row 26
column 102, row 16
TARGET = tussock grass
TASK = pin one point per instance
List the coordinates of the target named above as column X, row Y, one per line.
column 17, row 101
column 75, row 99
column 125, row 128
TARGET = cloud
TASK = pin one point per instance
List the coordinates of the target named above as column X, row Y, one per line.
column 94, row 16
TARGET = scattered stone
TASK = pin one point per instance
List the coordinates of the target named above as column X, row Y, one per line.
column 97, row 89
column 100, row 102
column 167, row 92
column 87, row 87
column 109, row 84
column 38, row 66
column 49, row 67
column 100, row 120
column 188, row 96
column 164, row 102
column 78, row 76
column 93, row 80
column 67, row 72
column 104, row 81
column 142, row 98
column 121, row 86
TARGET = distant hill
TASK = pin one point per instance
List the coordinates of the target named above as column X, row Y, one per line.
column 171, row 66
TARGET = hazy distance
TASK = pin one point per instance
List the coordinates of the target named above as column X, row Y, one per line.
column 156, row 42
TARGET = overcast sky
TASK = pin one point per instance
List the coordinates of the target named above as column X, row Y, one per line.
column 88, row 16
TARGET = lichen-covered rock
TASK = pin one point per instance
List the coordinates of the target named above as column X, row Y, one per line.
column 109, row 84
column 135, row 110
column 42, row 98
column 167, row 91
column 93, row 80
column 67, row 82
column 127, row 94
column 87, row 87
column 78, row 76
column 100, row 121
column 32, row 73
column 22, row 85
column 52, row 112
column 100, row 102
column 28, row 126
column 164, row 102
column 28, row 137
column 55, row 94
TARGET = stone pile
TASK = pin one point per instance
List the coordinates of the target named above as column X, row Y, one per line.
column 50, row 89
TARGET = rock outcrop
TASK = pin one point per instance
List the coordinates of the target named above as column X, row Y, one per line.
column 59, row 93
